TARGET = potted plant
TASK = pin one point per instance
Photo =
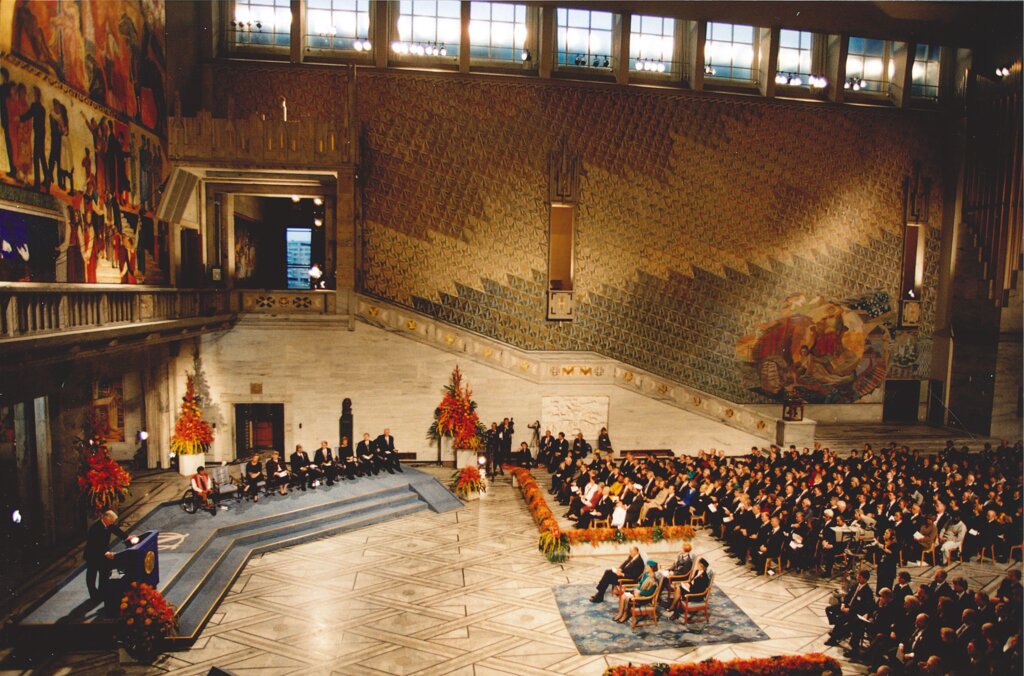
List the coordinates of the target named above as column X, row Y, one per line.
column 145, row 620
column 192, row 435
column 468, row 483
column 456, row 421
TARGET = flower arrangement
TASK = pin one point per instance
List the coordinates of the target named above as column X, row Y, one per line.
column 192, row 435
column 146, row 618
column 557, row 545
column 102, row 481
column 468, row 480
column 813, row 664
column 456, row 416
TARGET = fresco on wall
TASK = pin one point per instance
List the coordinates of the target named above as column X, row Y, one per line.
column 108, row 408
column 245, row 248
column 105, row 174
column 110, row 51
column 819, row 350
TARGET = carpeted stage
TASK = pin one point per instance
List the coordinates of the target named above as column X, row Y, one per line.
column 201, row 554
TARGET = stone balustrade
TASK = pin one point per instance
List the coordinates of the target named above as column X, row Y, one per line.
column 28, row 310
column 258, row 141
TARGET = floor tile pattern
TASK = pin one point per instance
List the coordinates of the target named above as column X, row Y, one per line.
column 458, row 593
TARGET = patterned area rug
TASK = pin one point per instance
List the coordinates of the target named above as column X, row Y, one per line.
column 595, row 633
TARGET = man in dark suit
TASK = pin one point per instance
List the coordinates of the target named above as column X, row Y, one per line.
column 545, row 448
column 324, row 459
column 302, row 469
column 369, row 459
column 632, row 568
column 859, row 602
column 559, row 451
column 386, row 450
column 505, row 431
column 98, row 556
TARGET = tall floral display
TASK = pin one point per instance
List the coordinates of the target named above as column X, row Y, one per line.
column 456, row 417
column 102, row 481
column 192, row 435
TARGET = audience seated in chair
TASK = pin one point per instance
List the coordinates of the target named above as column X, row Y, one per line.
column 631, row 569
column 693, row 594
column 252, row 475
column 645, row 591
column 278, row 475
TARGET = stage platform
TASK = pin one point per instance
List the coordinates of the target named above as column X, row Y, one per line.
column 201, row 554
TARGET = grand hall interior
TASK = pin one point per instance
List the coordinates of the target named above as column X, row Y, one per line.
column 549, row 337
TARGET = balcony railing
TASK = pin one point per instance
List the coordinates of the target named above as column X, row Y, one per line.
column 28, row 310
column 258, row 141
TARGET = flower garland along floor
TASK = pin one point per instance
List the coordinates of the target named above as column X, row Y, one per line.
column 556, row 544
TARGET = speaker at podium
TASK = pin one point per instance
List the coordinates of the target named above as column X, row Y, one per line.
column 138, row 562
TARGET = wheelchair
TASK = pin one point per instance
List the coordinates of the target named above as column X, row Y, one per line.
column 223, row 486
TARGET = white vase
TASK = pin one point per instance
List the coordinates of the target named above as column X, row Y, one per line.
column 472, row 495
column 447, row 453
column 188, row 464
column 465, row 458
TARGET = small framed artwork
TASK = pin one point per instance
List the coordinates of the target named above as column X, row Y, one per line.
column 910, row 313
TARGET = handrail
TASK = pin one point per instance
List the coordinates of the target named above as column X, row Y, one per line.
column 30, row 310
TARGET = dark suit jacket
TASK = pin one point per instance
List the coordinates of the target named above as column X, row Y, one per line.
column 700, row 582
column 633, row 568
column 299, row 462
column 363, row 448
column 321, row 456
column 561, row 446
column 385, row 444
column 345, row 452
column 860, row 601
column 97, row 541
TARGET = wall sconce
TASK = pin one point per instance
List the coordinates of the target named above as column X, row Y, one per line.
column 709, row 70
column 854, row 83
column 650, row 65
column 362, row 45
column 1002, row 71
column 526, row 56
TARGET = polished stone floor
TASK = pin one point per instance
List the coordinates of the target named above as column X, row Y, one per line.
column 459, row 593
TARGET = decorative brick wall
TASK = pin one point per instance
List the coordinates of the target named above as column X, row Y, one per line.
column 698, row 215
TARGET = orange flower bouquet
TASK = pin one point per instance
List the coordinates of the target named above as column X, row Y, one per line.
column 468, row 480
column 102, row 481
column 146, row 618
column 456, row 417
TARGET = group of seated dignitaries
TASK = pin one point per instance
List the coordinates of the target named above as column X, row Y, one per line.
column 942, row 627
column 327, row 465
column 686, row 576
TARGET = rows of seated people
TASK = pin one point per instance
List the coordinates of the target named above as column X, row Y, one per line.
column 803, row 509
column 327, row 466
column 942, row 628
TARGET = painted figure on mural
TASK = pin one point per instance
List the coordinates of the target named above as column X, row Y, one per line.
column 37, row 115
column 21, row 133
column 58, row 129
column 67, row 42
column 6, row 95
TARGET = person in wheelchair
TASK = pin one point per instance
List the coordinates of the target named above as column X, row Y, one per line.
column 202, row 489
column 277, row 474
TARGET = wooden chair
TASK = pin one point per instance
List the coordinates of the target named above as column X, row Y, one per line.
column 1017, row 546
column 699, row 602
column 625, row 584
column 991, row 553
column 641, row 608
column 701, row 520
column 601, row 523
column 933, row 550
column 777, row 560
column 672, row 581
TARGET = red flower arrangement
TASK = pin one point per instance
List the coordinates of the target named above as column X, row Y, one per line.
column 814, row 664
column 146, row 618
column 192, row 435
column 547, row 524
column 468, row 480
column 101, row 480
column 456, row 416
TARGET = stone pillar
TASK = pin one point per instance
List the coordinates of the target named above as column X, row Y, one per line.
column 345, row 243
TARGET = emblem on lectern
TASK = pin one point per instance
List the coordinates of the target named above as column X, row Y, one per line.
column 149, row 563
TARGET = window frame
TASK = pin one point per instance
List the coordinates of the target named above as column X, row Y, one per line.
column 611, row 56
column 346, row 53
column 232, row 46
column 718, row 80
column 407, row 59
column 888, row 63
column 676, row 65
column 925, row 98
column 532, row 26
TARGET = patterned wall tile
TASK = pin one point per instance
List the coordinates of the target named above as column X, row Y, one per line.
column 697, row 216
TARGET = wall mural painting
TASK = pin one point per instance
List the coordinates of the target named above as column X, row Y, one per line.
column 106, row 175
column 245, row 248
column 821, row 351
column 108, row 409
column 112, row 52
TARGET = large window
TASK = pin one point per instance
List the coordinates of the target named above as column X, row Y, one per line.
column 429, row 27
column 925, row 75
column 795, row 56
column 652, row 43
column 338, row 24
column 729, row 52
column 584, row 38
column 266, row 23
column 497, row 31
column 868, row 65
column 298, row 257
